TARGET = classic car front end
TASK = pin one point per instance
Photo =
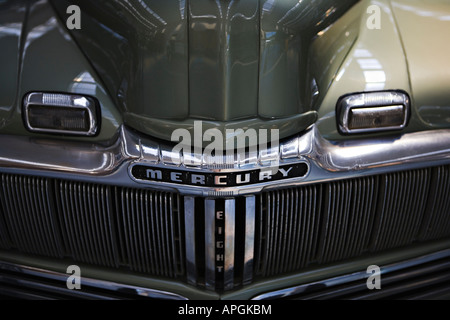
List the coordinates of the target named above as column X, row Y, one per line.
column 200, row 149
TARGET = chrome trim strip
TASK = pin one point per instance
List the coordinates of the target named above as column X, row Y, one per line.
column 64, row 101
column 210, row 244
column 95, row 283
column 60, row 156
column 327, row 160
column 230, row 222
column 357, row 155
column 250, row 209
column 284, row 293
column 189, row 222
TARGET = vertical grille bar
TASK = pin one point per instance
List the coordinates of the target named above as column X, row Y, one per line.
column 210, row 241
column 5, row 239
column 178, row 240
column 189, row 222
column 229, row 243
column 5, row 242
column 250, row 208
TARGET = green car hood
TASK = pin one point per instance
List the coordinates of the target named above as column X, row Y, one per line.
column 231, row 64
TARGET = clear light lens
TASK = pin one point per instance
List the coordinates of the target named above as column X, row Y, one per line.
column 376, row 117
column 61, row 113
column 55, row 118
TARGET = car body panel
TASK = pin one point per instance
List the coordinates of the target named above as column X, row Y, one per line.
column 51, row 61
column 423, row 26
column 206, row 61
column 368, row 67
column 12, row 17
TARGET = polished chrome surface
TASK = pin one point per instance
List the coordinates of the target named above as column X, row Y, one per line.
column 230, row 222
column 96, row 283
column 225, row 246
column 296, row 227
column 250, row 209
column 383, row 101
column 189, row 222
column 139, row 229
column 59, row 100
column 379, row 153
column 323, row 223
column 210, row 244
column 286, row 293
column 60, row 156
column 326, row 159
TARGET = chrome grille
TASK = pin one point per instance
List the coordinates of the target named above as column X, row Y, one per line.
column 86, row 217
column 275, row 232
column 151, row 231
column 219, row 241
column 328, row 222
column 348, row 214
column 288, row 229
column 401, row 209
column 96, row 224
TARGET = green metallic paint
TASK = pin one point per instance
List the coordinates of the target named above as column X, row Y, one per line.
column 387, row 59
column 156, row 69
column 153, row 126
column 288, row 31
column 375, row 62
column 140, row 51
column 424, row 27
column 12, row 15
column 168, row 64
column 51, row 61
column 329, row 49
column 223, row 59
